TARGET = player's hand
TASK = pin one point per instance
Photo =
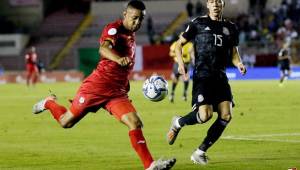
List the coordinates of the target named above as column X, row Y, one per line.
column 242, row 68
column 181, row 70
column 124, row 61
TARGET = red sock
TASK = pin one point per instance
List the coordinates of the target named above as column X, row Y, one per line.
column 138, row 142
column 56, row 110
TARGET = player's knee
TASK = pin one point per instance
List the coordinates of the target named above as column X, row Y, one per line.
column 139, row 124
column 227, row 117
column 135, row 123
column 66, row 125
column 205, row 115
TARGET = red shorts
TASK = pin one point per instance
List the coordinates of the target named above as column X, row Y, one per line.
column 31, row 68
column 84, row 103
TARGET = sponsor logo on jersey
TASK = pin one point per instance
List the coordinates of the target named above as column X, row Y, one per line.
column 112, row 31
column 81, row 100
column 207, row 28
column 226, row 31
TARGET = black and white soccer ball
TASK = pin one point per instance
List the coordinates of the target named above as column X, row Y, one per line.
column 155, row 88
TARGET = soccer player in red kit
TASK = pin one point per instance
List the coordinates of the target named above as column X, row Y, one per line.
column 31, row 67
column 107, row 87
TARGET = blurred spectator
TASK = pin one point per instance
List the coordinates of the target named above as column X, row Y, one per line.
column 286, row 34
column 6, row 25
column 264, row 27
column 1, row 69
column 249, row 58
column 150, row 30
column 41, row 67
column 190, row 9
column 199, row 8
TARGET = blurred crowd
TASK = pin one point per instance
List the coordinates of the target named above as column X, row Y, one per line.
column 270, row 26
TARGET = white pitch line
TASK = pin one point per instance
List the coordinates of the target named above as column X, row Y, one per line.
column 267, row 135
column 260, row 137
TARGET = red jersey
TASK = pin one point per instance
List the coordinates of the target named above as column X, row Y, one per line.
column 30, row 58
column 109, row 78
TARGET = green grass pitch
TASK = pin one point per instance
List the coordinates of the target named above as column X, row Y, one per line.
column 264, row 132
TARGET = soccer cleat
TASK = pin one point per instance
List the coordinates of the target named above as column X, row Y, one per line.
column 39, row 107
column 201, row 159
column 174, row 130
column 162, row 164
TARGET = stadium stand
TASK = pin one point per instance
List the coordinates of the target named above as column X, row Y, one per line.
column 258, row 36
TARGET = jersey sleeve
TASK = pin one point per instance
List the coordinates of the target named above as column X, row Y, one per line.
column 190, row 31
column 109, row 33
column 235, row 35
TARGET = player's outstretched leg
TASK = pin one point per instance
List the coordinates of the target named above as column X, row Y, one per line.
column 174, row 130
column 137, row 139
column 162, row 164
column 63, row 116
column 213, row 134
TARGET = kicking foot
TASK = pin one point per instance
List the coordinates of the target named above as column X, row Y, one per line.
column 174, row 130
column 199, row 157
column 162, row 164
column 39, row 107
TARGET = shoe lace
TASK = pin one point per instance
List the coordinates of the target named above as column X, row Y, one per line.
column 203, row 157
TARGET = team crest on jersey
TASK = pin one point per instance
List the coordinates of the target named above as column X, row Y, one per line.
column 81, row 100
column 226, row 31
column 112, row 31
column 200, row 98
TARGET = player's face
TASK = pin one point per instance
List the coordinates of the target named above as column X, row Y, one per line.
column 215, row 8
column 133, row 18
column 32, row 49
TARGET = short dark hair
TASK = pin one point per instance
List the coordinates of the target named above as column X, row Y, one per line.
column 137, row 4
column 223, row 2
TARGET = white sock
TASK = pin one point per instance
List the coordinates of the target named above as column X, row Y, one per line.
column 177, row 123
column 199, row 152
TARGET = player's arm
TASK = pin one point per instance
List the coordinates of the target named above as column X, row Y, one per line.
column 26, row 57
column 281, row 54
column 237, row 61
column 172, row 51
column 105, row 51
column 178, row 52
column 192, row 54
column 34, row 58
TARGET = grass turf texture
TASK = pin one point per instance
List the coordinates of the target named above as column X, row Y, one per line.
column 264, row 132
